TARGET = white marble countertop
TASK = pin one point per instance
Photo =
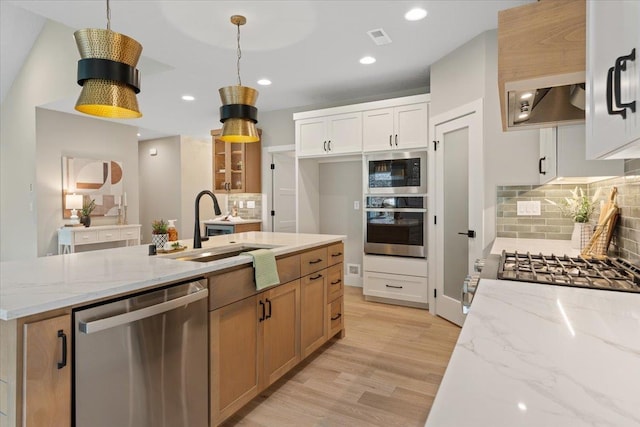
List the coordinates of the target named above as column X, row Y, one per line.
column 542, row 355
column 231, row 220
column 48, row 283
column 535, row 246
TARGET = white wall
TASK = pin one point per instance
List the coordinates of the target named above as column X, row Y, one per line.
column 510, row 158
column 197, row 175
column 47, row 75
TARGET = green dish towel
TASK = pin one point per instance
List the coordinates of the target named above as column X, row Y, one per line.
column 265, row 268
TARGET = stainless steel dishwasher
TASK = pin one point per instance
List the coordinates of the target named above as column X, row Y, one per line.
column 143, row 361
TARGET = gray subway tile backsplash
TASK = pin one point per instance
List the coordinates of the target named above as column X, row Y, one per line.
column 551, row 224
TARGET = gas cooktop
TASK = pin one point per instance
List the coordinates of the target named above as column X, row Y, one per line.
column 608, row 273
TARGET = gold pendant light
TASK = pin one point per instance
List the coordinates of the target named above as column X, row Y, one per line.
column 238, row 113
column 107, row 72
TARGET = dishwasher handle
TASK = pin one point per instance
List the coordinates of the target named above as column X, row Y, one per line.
column 143, row 313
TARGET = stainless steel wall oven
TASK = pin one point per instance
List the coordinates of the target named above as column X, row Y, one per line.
column 396, row 225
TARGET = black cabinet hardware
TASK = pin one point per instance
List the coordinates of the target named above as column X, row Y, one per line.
column 468, row 233
column 337, row 316
column 315, row 261
column 540, row 165
column 62, row 335
column 394, row 287
column 263, row 312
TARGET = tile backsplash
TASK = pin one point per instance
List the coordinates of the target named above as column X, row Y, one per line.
column 246, row 212
column 551, row 224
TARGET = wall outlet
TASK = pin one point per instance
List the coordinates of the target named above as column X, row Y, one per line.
column 356, row 205
column 528, row 208
column 241, row 204
column 251, row 204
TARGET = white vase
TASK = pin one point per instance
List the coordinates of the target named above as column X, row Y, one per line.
column 581, row 235
column 159, row 240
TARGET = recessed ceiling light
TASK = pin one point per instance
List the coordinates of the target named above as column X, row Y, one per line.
column 526, row 95
column 138, row 133
column 188, row 97
column 367, row 60
column 415, row 14
column 264, row 82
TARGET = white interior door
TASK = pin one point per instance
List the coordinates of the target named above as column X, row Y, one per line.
column 458, row 179
column 283, row 192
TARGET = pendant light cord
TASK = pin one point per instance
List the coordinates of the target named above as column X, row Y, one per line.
column 239, row 55
column 108, row 16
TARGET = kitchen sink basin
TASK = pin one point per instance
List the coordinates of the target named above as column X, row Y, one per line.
column 215, row 254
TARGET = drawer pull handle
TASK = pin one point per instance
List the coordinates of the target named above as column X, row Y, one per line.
column 62, row 335
column 336, row 317
column 269, row 314
column 316, row 261
column 394, row 287
column 315, row 277
column 263, row 311
column 336, row 254
column 336, row 282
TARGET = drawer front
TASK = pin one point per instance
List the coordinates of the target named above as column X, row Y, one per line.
column 336, row 316
column 231, row 286
column 312, row 261
column 335, row 253
column 406, row 288
column 130, row 233
column 108, row 235
column 83, row 237
column 335, row 284
column 288, row 268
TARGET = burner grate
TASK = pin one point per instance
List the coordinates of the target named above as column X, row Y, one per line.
column 612, row 274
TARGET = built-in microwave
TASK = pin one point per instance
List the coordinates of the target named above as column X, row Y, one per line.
column 396, row 173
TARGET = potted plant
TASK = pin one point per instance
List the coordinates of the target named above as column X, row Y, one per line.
column 579, row 207
column 159, row 233
column 85, row 213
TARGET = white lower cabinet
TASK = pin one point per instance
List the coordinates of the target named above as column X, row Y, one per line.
column 397, row 279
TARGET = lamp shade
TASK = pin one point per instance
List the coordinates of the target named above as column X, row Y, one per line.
column 107, row 73
column 73, row 201
column 238, row 114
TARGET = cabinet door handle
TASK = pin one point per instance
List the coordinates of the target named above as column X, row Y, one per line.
column 269, row 314
column 315, row 277
column 621, row 65
column 329, row 145
column 336, row 282
column 62, row 335
column 337, row 316
column 610, row 109
column 263, row 312
column 394, row 287
column 336, row 254
column 315, row 261
column 540, row 171
column 325, row 146
column 390, row 143
column 396, row 139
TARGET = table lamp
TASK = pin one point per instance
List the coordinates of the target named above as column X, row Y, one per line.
column 74, row 202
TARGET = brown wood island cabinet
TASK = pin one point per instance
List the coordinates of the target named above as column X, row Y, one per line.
column 258, row 336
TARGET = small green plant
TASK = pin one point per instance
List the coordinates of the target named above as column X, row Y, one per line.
column 160, row 226
column 579, row 206
column 175, row 245
column 88, row 207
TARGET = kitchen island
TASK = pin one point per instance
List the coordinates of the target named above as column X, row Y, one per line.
column 542, row 355
column 37, row 298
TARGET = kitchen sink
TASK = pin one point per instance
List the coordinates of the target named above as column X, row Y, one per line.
column 215, row 254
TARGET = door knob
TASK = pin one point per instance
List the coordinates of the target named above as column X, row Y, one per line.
column 468, row 233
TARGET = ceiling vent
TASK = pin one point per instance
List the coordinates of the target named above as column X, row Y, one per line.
column 379, row 37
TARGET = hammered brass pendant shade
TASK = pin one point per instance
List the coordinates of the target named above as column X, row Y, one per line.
column 107, row 73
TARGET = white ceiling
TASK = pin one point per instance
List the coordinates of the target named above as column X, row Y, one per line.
column 308, row 49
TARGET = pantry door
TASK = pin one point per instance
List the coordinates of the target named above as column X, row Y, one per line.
column 458, row 181
column 283, row 191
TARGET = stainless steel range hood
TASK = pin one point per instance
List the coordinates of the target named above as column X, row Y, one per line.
column 544, row 107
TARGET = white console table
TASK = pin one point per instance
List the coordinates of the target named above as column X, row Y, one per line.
column 70, row 237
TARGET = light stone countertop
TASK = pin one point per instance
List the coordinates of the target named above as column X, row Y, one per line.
column 43, row 284
column 231, row 221
column 541, row 355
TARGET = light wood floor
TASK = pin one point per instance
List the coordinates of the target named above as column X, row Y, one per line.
column 385, row 372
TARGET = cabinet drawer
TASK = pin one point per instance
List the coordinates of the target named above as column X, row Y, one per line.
column 406, row 288
column 130, row 234
column 335, row 316
column 108, row 235
column 229, row 287
column 335, row 253
column 314, row 260
column 335, row 282
column 83, row 237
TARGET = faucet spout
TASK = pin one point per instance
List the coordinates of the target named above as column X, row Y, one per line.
column 197, row 240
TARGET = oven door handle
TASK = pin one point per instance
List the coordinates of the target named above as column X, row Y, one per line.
column 418, row 210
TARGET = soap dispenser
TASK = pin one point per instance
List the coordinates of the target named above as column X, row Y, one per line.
column 173, row 233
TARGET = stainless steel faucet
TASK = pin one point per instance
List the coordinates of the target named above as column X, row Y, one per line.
column 197, row 240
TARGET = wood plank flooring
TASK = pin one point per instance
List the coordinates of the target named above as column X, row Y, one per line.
column 385, row 372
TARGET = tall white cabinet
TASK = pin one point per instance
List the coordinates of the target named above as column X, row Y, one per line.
column 613, row 79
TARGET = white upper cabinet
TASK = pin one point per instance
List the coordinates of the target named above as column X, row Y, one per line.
column 613, row 79
column 562, row 158
column 336, row 134
column 394, row 128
